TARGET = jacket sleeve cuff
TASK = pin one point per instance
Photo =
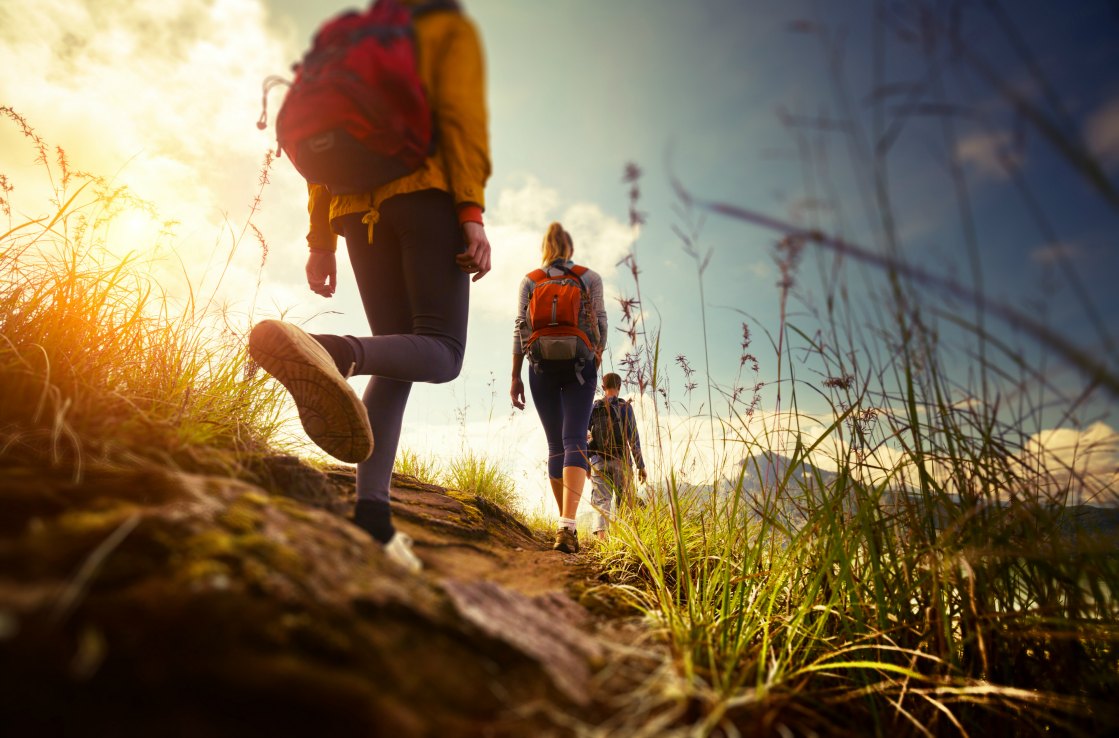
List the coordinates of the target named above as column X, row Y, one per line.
column 322, row 242
column 468, row 212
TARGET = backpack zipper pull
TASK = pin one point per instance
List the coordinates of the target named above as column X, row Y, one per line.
column 555, row 302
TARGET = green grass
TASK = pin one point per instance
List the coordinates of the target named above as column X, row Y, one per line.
column 865, row 612
column 423, row 468
column 97, row 364
column 471, row 472
column 934, row 583
column 477, row 474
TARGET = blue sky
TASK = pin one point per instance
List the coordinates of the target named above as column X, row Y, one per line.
column 167, row 93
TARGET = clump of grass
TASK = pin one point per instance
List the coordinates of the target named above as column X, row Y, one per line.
column 937, row 581
column 477, row 474
column 542, row 519
column 97, row 363
column 421, row 468
column 470, row 472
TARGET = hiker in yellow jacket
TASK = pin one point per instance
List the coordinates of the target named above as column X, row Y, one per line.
column 413, row 244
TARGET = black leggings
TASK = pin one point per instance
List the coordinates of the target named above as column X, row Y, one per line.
column 416, row 299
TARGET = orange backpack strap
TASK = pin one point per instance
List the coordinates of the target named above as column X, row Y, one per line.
column 561, row 331
column 537, row 275
column 579, row 271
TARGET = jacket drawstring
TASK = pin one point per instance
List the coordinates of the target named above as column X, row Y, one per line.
column 371, row 218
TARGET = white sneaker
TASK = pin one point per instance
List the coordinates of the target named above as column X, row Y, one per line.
column 399, row 551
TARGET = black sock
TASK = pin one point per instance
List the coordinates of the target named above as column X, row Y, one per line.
column 340, row 350
column 375, row 518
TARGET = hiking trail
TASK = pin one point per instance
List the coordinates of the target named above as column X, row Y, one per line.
column 137, row 601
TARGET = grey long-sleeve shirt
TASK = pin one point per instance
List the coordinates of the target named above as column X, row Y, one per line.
column 522, row 329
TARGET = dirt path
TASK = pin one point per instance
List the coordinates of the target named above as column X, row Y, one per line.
column 262, row 610
column 458, row 539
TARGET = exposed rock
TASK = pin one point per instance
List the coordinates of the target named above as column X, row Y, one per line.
column 288, row 476
column 542, row 626
column 150, row 602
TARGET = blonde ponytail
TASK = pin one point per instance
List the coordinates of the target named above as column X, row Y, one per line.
column 557, row 244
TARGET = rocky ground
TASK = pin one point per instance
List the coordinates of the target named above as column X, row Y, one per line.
column 152, row 602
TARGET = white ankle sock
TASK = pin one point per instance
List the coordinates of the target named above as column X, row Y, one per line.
column 567, row 522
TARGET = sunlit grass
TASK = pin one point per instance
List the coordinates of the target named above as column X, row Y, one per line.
column 479, row 475
column 421, row 467
column 97, row 363
column 471, row 472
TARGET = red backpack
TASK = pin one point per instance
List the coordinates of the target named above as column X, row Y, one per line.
column 356, row 115
column 553, row 314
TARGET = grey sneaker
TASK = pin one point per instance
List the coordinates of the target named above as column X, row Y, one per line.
column 566, row 541
column 399, row 551
column 331, row 413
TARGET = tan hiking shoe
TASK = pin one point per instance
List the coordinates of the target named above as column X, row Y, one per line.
column 566, row 541
column 329, row 409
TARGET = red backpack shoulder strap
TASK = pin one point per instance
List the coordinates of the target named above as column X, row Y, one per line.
column 578, row 270
column 537, row 275
column 432, row 6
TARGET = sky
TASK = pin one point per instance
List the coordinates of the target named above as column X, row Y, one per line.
column 765, row 105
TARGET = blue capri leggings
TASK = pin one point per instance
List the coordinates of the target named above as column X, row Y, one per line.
column 564, row 407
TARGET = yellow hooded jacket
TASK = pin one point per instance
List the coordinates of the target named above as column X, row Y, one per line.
column 452, row 70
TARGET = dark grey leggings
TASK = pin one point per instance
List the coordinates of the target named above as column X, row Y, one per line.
column 416, row 299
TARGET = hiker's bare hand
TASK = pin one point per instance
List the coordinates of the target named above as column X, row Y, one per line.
column 517, row 393
column 476, row 259
column 322, row 272
column 642, row 476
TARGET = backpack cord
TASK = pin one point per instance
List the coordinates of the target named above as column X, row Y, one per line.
column 586, row 306
column 272, row 80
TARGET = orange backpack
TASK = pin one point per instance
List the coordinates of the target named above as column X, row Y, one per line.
column 553, row 314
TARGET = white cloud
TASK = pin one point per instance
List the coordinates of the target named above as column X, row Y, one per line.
column 516, row 226
column 1052, row 253
column 760, row 269
column 1102, row 131
column 529, row 206
column 601, row 241
column 162, row 97
column 1082, row 463
column 986, row 153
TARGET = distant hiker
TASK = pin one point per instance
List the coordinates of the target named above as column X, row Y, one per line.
column 561, row 327
column 615, row 446
column 412, row 241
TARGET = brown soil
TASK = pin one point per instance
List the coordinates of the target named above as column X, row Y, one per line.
column 141, row 602
column 462, row 537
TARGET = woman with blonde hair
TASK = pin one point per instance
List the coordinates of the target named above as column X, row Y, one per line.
column 561, row 328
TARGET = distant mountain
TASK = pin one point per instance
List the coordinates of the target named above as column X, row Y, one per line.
column 763, row 472
column 1091, row 520
column 766, row 470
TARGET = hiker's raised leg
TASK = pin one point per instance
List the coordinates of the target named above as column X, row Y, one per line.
column 409, row 272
